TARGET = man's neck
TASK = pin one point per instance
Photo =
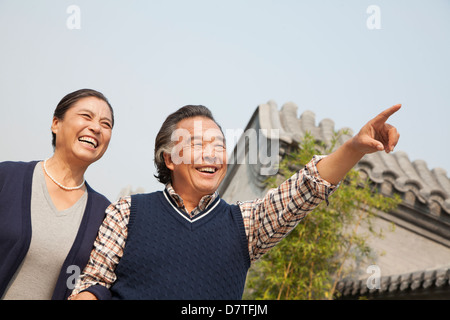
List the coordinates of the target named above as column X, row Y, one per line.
column 189, row 204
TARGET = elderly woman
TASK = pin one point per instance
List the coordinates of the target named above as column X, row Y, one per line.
column 49, row 215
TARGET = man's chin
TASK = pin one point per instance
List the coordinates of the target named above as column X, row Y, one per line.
column 207, row 189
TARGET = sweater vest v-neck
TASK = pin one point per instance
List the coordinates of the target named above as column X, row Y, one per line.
column 171, row 256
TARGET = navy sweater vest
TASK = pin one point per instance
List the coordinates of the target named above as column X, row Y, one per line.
column 169, row 256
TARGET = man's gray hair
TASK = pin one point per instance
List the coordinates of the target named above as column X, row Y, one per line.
column 163, row 141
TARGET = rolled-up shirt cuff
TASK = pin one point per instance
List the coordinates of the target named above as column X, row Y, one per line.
column 323, row 188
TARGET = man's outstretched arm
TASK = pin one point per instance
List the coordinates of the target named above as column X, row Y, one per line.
column 376, row 135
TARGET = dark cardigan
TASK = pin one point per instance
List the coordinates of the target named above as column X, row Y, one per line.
column 15, row 226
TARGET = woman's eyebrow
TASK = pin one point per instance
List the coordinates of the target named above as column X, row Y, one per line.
column 106, row 118
column 86, row 110
column 92, row 113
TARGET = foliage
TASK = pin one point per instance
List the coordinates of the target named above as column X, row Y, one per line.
column 325, row 246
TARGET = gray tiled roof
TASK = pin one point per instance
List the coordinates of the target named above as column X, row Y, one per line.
column 396, row 285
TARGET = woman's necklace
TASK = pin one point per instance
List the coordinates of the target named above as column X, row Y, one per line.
column 59, row 184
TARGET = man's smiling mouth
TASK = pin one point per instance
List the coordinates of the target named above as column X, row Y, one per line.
column 207, row 169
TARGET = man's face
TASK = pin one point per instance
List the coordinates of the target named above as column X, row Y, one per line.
column 198, row 159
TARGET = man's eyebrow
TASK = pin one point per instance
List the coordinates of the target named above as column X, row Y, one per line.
column 209, row 137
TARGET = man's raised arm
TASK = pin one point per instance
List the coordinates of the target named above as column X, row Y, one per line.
column 376, row 135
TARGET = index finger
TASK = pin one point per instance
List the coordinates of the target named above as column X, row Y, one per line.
column 384, row 116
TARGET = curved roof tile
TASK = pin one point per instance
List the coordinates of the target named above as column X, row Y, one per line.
column 409, row 282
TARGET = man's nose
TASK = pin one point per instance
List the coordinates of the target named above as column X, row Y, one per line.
column 209, row 154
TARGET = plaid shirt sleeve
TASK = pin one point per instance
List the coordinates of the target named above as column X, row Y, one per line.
column 108, row 248
column 267, row 221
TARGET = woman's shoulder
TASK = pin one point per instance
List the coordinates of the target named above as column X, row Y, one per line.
column 13, row 173
column 96, row 195
column 12, row 167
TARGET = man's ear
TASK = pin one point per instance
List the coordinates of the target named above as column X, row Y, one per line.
column 168, row 161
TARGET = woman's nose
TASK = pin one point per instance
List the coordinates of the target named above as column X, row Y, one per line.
column 95, row 126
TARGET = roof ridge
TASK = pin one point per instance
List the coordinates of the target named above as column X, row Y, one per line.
column 438, row 277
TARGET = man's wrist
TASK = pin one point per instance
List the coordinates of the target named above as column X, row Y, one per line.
column 84, row 295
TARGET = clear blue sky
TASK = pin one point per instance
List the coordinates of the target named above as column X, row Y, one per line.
column 152, row 57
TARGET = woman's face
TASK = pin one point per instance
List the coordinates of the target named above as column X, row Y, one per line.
column 84, row 133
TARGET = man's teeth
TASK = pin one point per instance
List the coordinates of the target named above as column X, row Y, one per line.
column 88, row 140
column 207, row 169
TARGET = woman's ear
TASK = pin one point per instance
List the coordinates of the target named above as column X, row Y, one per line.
column 55, row 123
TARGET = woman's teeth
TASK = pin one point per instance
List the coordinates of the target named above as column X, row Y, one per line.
column 88, row 140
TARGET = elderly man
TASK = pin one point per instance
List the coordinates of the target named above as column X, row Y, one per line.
column 187, row 243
